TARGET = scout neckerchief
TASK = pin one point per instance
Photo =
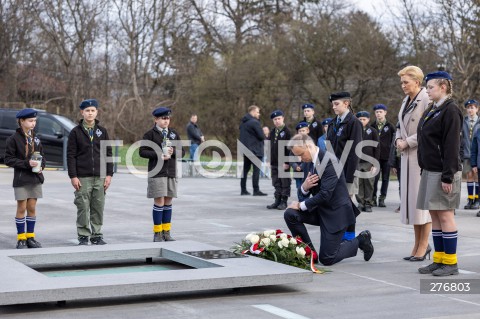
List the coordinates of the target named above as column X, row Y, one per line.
column 89, row 131
column 380, row 127
column 470, row 128
column 277, row 132
column 29, row 145
column 411, row 104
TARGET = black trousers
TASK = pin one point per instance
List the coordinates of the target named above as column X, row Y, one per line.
column 385, row 171
column 282, row 185
column 332, row 248
column 247, row 164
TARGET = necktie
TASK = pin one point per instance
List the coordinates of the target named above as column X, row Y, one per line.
column 339, row 120
column 164, row 133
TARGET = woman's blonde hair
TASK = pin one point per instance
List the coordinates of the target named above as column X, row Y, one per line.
column 414, row 72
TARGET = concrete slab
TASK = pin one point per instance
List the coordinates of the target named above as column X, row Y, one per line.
column 205, row 274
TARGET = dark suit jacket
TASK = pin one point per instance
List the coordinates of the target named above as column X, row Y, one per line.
column 331, row 200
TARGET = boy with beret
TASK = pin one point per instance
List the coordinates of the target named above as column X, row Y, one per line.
column 321, row 140
column 386, row 137
column 85, row 160
column 162, row 180
column 470, row 127
column 279, row 132
column 315, row 129
column 365, row 185
column 27, row 175
column 302, row 128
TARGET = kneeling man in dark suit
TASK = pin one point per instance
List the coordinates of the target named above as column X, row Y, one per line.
column 330, row 206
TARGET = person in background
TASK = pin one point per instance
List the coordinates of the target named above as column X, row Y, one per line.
column 321, row 140
column 365, row 185
column 386, row 136
column 314, row 127
column 471, row 124
column 302, row 128
column 438, row 137
column 195, row 136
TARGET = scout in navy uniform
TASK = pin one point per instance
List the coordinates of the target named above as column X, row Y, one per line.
column 471, row 123
column 386, row 137
column 321, row 140
column 438, row 136
column 27, row 176
column 302, row 128
column 162, row 186
column 343, row 128
column 85, row 158
column 315, row 128
column 279, row 132
column 330, row 208
column 365, row 185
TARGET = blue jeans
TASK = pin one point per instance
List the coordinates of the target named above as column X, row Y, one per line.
column 193, row 149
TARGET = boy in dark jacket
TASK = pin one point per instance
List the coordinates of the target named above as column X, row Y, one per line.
column 162, row 184
column 365, row 185
column 85, row 160
column 279, row 132
column 27, row 175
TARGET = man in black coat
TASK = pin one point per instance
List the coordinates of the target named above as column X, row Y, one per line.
column 330, row 207
column 252, row 137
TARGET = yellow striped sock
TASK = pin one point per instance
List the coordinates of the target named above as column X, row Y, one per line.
column 167, row 226
column 30, row 235
column 157, row 228
column 449, row 259
column 21, row 236
column 438, row 257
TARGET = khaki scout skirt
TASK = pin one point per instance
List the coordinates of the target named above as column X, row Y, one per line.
column 162, row 187
column 431, row 195
column 28, row 191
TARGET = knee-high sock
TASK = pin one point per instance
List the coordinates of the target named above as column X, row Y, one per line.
column 475, row 190
column 470, row 190
column 349, row 233
column 450, row 245
column 438, row 245
column 31, row 226
column 167, row 217
column 20, row 223
column 157, row 214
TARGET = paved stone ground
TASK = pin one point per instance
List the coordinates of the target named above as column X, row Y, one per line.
column 213, row 212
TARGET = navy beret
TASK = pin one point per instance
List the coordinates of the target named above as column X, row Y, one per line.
column 380, row 107
column 275, row 114
column 339, row 96
column 301, row 125
column 327, row 121
column 88, row 103
column 363, row 114
column 438, row 75
column 471, row 102
column 307, row 106
column 161, row 111
column 26, row 114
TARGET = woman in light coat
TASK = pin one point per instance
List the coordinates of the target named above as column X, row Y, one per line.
column 413, row 106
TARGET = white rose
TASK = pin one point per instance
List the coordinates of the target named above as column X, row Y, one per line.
column 254, row 239
column 283, row 235
column 273, row 237
column 266, row 242
column 293, row 241
column 268, row 233
column 249, row 236
column 301, row 251
column 285, row 242
column 280, row 244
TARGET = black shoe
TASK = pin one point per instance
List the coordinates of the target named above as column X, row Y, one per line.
column 259, row 193
column 278, row 199
column 32, row 243
column 365, row 244
column 283, row 203
column 83, row 241
column 245, row 193
column 422, row 258
column 478, row 214
column 158, row 237
column 381, row 202
column 374, row 201
column 22, row 244
column 430, row 268
column 446, row 270
column 361, row 207
column 407, row 258
column 469, row 204
column 166, row 236
column 368, row 209
column 97, row 241
column 476, row 204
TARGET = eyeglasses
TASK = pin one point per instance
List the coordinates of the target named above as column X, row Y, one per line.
column 165, row 117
